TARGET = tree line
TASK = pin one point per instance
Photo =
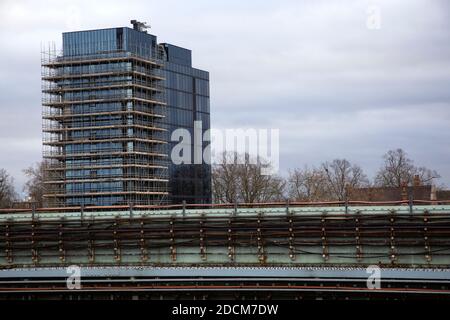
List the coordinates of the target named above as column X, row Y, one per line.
column 34, row 187
column 240, row 181
column 237, row 179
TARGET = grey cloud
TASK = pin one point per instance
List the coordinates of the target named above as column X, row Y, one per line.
column 310, row 68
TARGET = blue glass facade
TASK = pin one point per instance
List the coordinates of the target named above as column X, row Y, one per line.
column 187, row 97
column 110, row 103
column 108, row 41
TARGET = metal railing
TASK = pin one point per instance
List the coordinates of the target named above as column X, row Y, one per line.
column 86, row 112
column 155, row 98
column 58, row 57
column 57, row 88
column 157, row 138
column 152, row 162
column 106, row 151
column 283, row 204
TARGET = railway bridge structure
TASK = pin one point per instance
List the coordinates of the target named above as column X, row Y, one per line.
column 267, row 251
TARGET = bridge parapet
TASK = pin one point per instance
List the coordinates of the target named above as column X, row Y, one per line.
column 355, row 235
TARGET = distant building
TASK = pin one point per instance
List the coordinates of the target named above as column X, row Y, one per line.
column 391, row 193
column 443, row 195
column 110, row 103
column 417, row 191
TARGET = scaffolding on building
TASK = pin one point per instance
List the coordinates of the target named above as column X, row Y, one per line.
column 103, row 135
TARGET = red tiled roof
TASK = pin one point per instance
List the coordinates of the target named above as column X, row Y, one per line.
column 390, row 193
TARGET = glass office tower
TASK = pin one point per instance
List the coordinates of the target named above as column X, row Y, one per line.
column 107, row 120
column 187, row 97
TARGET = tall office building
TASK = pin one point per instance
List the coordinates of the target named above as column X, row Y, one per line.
column 187, row 97
column 111, row 100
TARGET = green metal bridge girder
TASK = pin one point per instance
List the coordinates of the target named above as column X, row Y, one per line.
column 394, row 236
column 238, row 212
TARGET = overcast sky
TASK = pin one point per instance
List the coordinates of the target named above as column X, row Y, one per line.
column 334, row 87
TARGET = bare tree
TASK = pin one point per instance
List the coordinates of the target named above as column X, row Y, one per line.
column 7, row 192
column 340, row 175
column 398, row 169
column 257, row 187
column 237, row 178
column 308, row 185
column 224, row 180
column 35, row 187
